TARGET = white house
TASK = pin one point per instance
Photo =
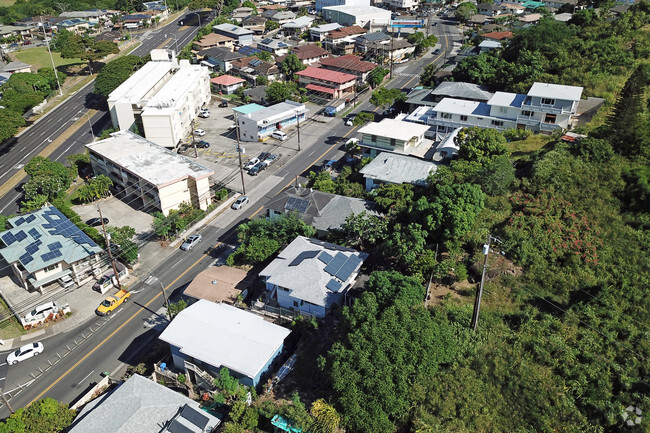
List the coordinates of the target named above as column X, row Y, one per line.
column 320, row 4
column 407, row 5
column 274, row 46
column 394, row 135
column 310, row 276
column 213, row 335
column 154, row 174
column 359, row 15
column 260, row 124
column 241, row 35
column 388, row 167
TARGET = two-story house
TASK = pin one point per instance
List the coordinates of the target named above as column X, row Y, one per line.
column 350, row 64
column 394, row 135
column 328, row 84
column 341, row 41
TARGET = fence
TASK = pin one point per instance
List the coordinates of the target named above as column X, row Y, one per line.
column 277, row 312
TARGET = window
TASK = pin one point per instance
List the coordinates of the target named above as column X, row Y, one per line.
column 392, row 142
column 295, row 303
column 527, row 113
column 503, row 109
column 548, row 101
column 497, row 122
column 463, row 118
column 550, row 118
column 445, row 115
column 373, row 138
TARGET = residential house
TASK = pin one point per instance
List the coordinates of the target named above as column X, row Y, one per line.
column 251, row 68
column 227, row 84
column 311, row 276
column 399, row 50
column 357, row 15
column 530, row 18
column 154, row 175
column 310, row 54
column 319, row 33
column 135, row 21
column 497, row 36
column 211, row 336
column 394, row 168
column 487, row 46
column 257, row 94
column 254, row 23
column 322, row 210
column 274, row 46
column 22, row 31
column 241, row 35
column 110, row 36
column 220, row 284
column 565, row 17
column 511, row 8
column 74, row 25
column 488, row 9
column 362, row 41
column 559, row 3
column 419, row 97
column 396, row 136
column 17, row 67
column 212, row 40
column 297, row 26
column 44, row 245
column 327, row 84
column 220, row 58
column 447, row 149
column 342, row 40
column 92, row 16
column 241, row 13
column 545, row 108
column 144, row 406
column 477, row 20
column 282, row 17
column 259, row 124
column 349, row 64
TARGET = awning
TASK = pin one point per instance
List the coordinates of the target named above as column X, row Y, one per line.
column 323, row 89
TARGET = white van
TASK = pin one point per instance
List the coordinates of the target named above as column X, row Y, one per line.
column 279, row 135
column 42, row 311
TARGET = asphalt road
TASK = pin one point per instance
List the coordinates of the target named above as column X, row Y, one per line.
column 16, row 152
column 74, row 361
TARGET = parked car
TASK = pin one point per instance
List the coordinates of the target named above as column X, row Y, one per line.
column 251, row 163
column 199, row 132
column 263, row 156
column 104, row 283
column 330, row 165
column 205, row 113
column 112, row 302
column 256, row 169
column 270, row 160
column 202, row 144
column 27, row 42
column 191, row 242
column 94, row 222
column 240, row 202
column 223, row 104
column 25, row 352
column 279, row 135
column 42, row 311
column 65, row 281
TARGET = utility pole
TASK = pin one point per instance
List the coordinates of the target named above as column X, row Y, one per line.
column 47, row 42
column 479, row 294
column 392, row 36
column 298, row 123
column 5, row 401
column 162, row 287
column 241, row 167
column 196, row 154
column 108, row 245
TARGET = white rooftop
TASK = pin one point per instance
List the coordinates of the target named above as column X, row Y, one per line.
column 396, row 129
column 147, row 160
column 506, row 99
column 233, row 29
column 280, row 109
column 359, row 10
column 140, row 83
column 395, row 168
column 225, row 336
column 556, row 91
column 460, row 106
column 171, row 96
column 490, row 44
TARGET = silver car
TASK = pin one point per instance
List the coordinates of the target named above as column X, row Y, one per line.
column 191, row 242
column 240, row 202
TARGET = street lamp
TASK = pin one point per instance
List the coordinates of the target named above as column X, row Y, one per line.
column 150, row 281
column 91, row 125
column 176, row 38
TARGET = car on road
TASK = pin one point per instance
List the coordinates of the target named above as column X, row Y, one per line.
column 205, row 113
column 279, row 135
column 191, row 242
column 94, row 222
column 350, row 121
column 199, row 132
column 256, row 169
column 112, row 302
column 240, row 202
column 25, row 352
column 202, row 144
column 223, row 104
column 251, row 163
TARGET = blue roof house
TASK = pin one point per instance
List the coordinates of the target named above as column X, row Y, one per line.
column 310, row 276
column 44, row 246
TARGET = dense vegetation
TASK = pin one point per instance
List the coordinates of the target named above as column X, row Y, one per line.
column 43, row 416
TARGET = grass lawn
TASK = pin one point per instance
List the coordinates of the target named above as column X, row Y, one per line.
column 7, row 2
column 525, row 147
column 39, row 57
column 9, row 328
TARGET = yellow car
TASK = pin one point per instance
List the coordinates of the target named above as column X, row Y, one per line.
column 112, row 302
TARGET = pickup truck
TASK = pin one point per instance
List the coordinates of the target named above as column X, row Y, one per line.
column 112, row 302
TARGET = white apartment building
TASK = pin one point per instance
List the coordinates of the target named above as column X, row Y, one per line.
column 395, row 136
column 260, row 124
column 404, row 4
column 157, row 176
column 359, row 15
column 167, row 117
column 320, row 4
column 545, row 108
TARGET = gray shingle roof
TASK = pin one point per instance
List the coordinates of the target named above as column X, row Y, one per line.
column 462, row 90
column 395, row 168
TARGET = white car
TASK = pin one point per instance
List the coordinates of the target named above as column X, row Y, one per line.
column 251, row 163
column 204, row 113
column 199, row 132
column 279, row 135
column 350, row 121
column 240, row 202
column 42, row 311
column 65, row 281
column 25, row 352
column 190, row 242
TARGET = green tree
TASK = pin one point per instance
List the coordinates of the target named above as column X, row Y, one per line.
column 322, row 181
column 123, row 236
column 270, row 25
column 391, row 287
column 394, row 198
column 43, row 416
column 86, row 48
column 363, row 117
column 465, row 11
column 290, row 65
column 250, row 4
column 10, row 121
column 279, row 92
column 363, row 231
column 405, row 244
column 326, row 419
column 264, row 55
column 454, row 209
column 46, row 178
column 480, row 144
column 428, row 75
column 115, row 73
column 384, row 96
column 176, row 307
column 376, row 76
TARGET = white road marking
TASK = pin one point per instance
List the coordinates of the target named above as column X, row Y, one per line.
column 86, row 377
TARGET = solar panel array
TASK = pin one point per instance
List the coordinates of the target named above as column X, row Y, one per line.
column 325, row 257
column 57, row 224
column 282, row 45
column 303, row 256
column 297, row 204
column 267, row 41
column 255, row 62
column 34, row 233
column 194, row 416
column 30, row 218
column 8, row 238
column 20, row 236
column 333, row 285
column 248, row 50
column 342, row 267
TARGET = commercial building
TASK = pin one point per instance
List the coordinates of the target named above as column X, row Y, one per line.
column 241, row 35
column 211, row 336
column 396, row 136
column 392, row 168
column 320, row 4
column 327, row 84
column 44, row 245
column 167, row 117
column 160, row 178
column 407, row 5
column 261, row 123
column 357, row 15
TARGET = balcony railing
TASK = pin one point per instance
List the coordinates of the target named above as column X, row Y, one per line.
column 527, row 120
column 547, row 108
column 549, row 126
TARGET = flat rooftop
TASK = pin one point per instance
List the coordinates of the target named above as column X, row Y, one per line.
column 147, row 160
column 171, row 95
column 556, row 91
column 141, row 82
column 358, row 10
column 460, row 106
column 277, row 110
column 393, row 128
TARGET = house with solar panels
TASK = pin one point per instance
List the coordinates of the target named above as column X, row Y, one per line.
column 43, row 246
column 310, row 276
